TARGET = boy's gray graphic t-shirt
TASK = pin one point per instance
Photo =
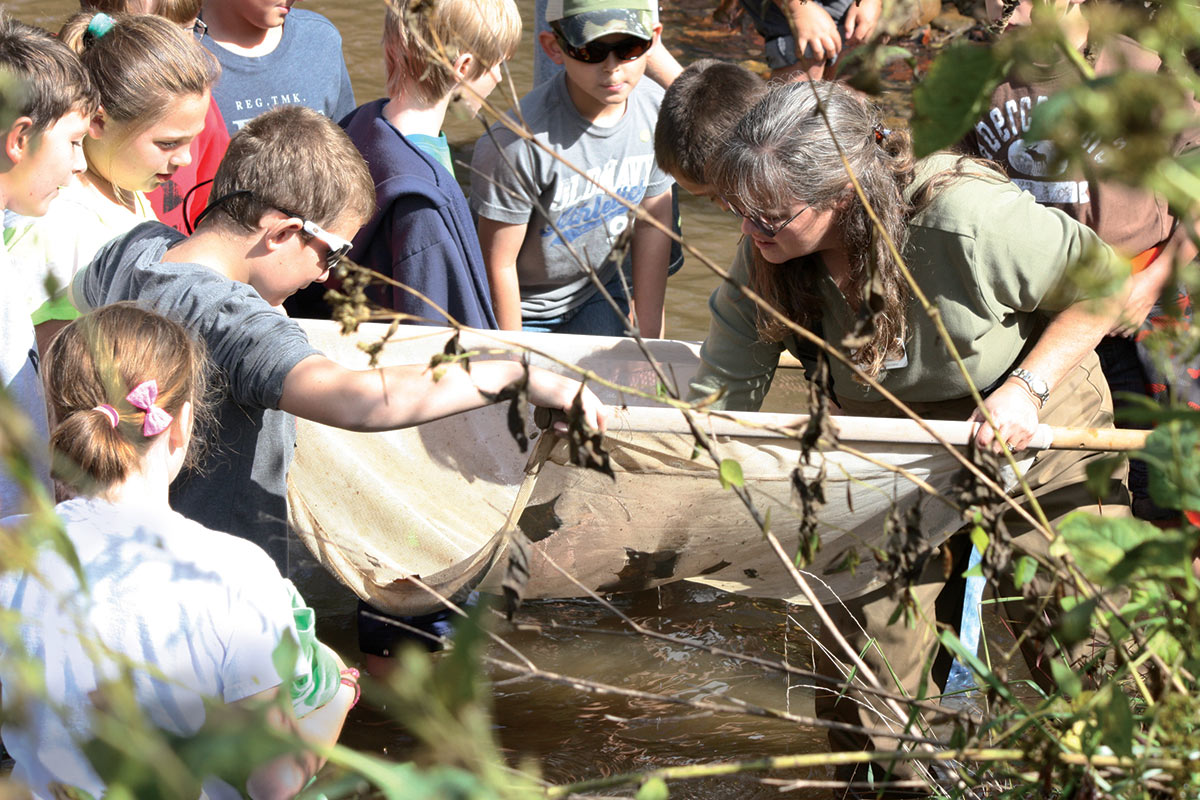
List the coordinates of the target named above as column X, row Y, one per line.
column 241, row 487
column 306, row 68
column 508, row 174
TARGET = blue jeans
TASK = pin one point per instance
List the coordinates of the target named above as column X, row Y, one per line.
column 594, row 317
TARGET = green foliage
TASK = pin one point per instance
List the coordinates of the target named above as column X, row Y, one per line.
column 1099, row 544
column 954, row 94
column 1068, row 682
column 1024, row 571
column 980, row 539
column 1100, row 472
column 1173, row 454
column 653, row 789
column 132, row 755
column 730, row 473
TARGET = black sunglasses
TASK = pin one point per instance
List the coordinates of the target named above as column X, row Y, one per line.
column 626, row 49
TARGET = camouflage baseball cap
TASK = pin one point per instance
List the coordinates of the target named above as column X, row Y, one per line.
column 583, row 21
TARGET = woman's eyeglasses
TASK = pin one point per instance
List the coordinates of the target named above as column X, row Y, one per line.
column 767, row 227
column 626, row 49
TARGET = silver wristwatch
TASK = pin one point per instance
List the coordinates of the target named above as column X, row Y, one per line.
column 1036, row 385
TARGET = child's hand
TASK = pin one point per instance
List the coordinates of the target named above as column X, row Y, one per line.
column 861, row 20
column 814, row 30
column 1144, row 290
column 553, row 391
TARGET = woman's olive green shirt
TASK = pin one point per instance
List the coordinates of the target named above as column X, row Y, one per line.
column 994, row 263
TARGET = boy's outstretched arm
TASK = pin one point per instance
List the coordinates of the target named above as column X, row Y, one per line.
column 651, row 259
column 396, row 397
column 500, row 243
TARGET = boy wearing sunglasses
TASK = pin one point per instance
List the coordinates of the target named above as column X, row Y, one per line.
column 551, row 229
column 287, row 198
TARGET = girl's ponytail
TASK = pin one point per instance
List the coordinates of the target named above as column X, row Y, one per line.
column 89, row 451
column 94, row 369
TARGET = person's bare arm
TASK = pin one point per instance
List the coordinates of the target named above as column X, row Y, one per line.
column 286, row 776
column 400, row 396
column 662, row 67
column 1068, row 337
column 1147, row 285
column 651, row 259
column 501, row 242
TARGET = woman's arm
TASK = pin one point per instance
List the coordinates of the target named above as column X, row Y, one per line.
column 733, row 359
column 1071, row 335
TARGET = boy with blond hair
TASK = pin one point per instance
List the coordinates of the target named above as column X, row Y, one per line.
column 287, row 197
column 544, row 227
column 422, row 235
column 47, row 100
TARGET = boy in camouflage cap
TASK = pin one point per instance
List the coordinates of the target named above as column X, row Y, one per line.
column 543, row 227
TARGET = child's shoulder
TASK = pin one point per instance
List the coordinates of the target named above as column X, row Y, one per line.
column 545, row 102
column 131, row 267
column 311, row 23
column 141, row 534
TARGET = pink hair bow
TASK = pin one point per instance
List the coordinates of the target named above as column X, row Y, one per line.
column 143, row 397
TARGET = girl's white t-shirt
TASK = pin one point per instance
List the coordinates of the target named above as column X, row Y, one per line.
column 193, row 614
column 79, row 221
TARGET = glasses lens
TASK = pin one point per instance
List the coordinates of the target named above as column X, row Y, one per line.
column 769, row 228
column 626, row 49
column 631, row 48
column 335, row 255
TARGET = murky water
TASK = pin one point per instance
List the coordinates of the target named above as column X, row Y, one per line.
column 574, row 734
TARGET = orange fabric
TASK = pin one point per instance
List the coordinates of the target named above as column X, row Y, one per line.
column 1143, row 259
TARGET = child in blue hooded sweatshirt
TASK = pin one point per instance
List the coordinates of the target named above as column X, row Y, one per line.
column 422, row 234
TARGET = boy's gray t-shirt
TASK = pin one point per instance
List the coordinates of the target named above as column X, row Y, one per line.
column 620, row 157
column 306, row 68
column 241, row 487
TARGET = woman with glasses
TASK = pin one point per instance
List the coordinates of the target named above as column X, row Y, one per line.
column 991, row 261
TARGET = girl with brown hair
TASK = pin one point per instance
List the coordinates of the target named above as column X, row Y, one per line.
column 155, row 82
column 186, row 615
